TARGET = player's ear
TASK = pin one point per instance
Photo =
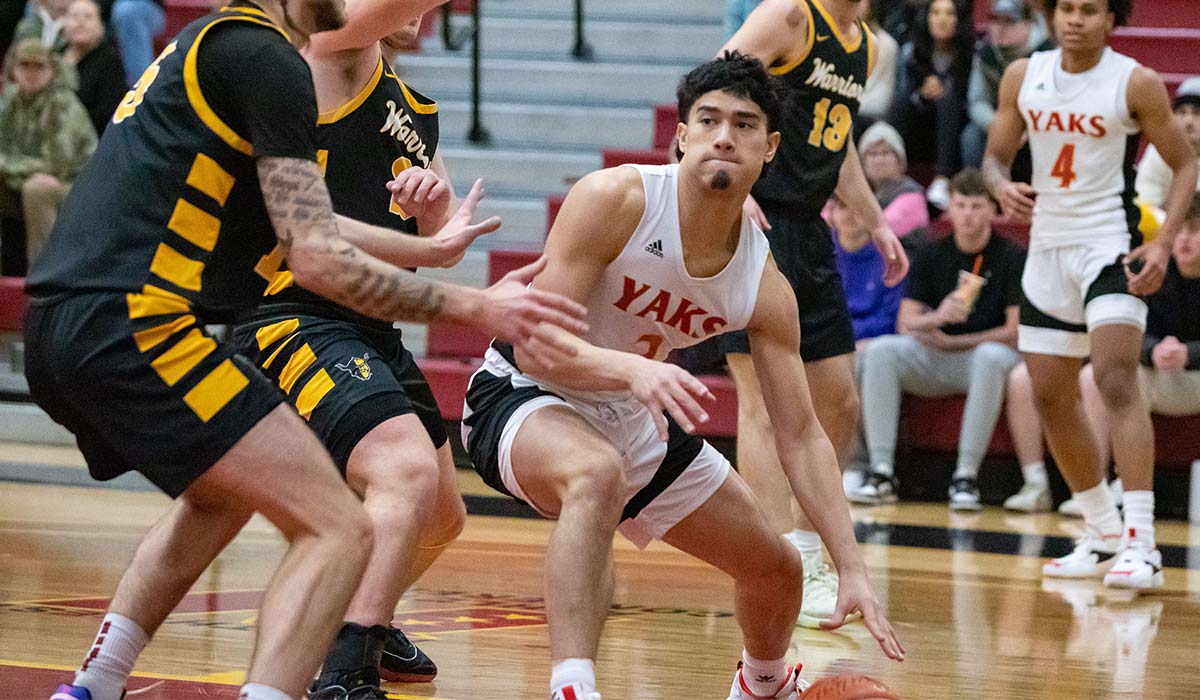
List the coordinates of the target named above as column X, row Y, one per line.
column 773, row 139
column 681, row 138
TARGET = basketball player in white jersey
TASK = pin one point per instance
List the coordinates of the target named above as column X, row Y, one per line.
column 663, row 258
column 1083, row 107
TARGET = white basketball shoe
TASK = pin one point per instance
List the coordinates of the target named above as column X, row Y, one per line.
column 1093, row 556
column 791, row 689
column 1138, row 567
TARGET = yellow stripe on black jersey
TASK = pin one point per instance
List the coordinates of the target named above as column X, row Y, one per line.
column 386, row 128
column 171, row 200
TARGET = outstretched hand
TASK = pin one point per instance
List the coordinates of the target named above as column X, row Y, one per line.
column 423, row 195
column 526, row 317
column 855, row 595
column 668, row 388
column 449, row 245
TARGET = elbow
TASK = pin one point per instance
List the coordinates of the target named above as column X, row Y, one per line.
column 306, row 268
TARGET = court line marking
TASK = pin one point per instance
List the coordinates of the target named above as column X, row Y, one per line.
column 212, row 678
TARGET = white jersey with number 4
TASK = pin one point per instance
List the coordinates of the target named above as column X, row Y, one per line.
column 1084, row 142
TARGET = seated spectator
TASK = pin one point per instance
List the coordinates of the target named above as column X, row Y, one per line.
column 899, row 17
column 958, row 325
column 736, row 12
column 1154, row 175
column 880, row 91
column 100, row 78
column 44, row 21
column 135, row 24
column 873, row 305
column 931, row 90
column 1012, row 34
column 45, row 138
column 901, row 197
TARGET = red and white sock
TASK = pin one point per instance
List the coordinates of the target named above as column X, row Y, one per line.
column 763, row 678
column 573, row 679
column 1139, row 517
column 107, row 666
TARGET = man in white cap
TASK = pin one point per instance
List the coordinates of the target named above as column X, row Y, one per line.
column 1154, row 175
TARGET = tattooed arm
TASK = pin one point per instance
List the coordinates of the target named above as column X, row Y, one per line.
column 324, row 262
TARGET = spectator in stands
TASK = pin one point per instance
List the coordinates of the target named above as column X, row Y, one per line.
column 136, row 23
column 901, row 197
column 99, row 75
column 931, row 90
column 880, row 92
column 45, row 138
column 958, row 325
column 1154, row 175
column 1013, row 33
column 44, row 20
column 736, row 12
column 873, row 305
column 899, row 17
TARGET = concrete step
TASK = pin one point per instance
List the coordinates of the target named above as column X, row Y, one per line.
column 524, row 222
column 582, row 129
column 560, row 82
column 511, row 171
column 624, row 41
column 607, row 9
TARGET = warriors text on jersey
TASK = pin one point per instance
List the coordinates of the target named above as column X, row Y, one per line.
column 1084, row 141
column 820, row 103
column 385, row 129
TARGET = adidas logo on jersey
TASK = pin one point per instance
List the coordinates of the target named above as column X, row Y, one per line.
column 655, row 248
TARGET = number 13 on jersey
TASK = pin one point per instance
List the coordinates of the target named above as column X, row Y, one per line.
column 839, row 120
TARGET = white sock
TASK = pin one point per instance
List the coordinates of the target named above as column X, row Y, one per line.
column 256, row 691
column 884, row 468
column 806, row 541
column 1139, row 516
column 580, row 673
column 763, row 678
column 110, row 661
column 1098, row 509
column 1035, row 473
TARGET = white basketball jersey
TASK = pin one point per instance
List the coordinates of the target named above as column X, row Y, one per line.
column 1083, row 141
column 648, row 304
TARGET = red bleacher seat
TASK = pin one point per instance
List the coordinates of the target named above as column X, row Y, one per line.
column 12, row 304
column 666, row 117
column 447, row 340
column 553, row 203
column 1015, row 232
column 612, row 157
column 1165, row 13
column 1166, row 50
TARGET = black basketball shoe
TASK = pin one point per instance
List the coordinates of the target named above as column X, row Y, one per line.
column 360, row 684
column 403, row 662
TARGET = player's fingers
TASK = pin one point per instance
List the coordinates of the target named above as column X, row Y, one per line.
column 424, row 186
column 660, row 419
column 473, row 197
column 684, row 399
column 558, row 303
column 440, row 189
column 835, row 621
column 697, row 388
column 483, row 227
column 667, row 399
column 525, row 275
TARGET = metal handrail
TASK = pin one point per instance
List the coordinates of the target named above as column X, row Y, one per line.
column 582, row 50
column 454, row 41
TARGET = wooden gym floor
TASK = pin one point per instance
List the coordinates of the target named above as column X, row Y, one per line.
column 965, row 593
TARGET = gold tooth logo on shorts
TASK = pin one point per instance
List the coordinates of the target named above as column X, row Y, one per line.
column 357, row 367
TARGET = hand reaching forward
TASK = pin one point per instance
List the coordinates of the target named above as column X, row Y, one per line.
column 519, row 314
column 855, row 595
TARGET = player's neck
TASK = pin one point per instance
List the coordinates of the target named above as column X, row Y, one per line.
column 843, row 12
column 972, row 243
column 709, row 222
column 274, row 10
column 1082, row 61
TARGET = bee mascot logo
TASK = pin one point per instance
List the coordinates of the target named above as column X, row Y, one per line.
column 357, row 367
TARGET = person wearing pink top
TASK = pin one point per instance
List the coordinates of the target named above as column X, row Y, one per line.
column 901, row 197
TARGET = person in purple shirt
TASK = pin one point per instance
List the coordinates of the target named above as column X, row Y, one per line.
column 873, row 305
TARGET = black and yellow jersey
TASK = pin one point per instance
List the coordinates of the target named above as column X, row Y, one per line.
column 820, row 102
column 169, row 209
column 386, row 128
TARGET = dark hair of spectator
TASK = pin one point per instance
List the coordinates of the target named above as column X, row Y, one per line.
column 1121, row 9
column 964, row 43
column 969, row 183
column 737, row 74
column 1192, row 216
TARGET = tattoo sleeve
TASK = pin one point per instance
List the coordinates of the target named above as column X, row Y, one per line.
column 302, row 214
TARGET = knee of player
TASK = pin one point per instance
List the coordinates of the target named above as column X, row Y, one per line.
column 781, row 568
column 596, row 481
column 353, row 535
column 446, row 523
column 1118, row 386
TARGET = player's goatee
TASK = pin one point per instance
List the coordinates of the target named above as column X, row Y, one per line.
column 720, row 180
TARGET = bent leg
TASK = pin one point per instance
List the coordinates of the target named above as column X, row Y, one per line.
column 1115, row 352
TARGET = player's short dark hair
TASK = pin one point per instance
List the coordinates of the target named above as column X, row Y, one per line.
column 1192, row 217
column 1121, row 10
column 969, row 183
column 737, row 74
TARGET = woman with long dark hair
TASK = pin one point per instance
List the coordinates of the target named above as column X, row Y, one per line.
column 931, row 95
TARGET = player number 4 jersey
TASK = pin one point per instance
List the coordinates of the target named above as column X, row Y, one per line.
column 1084, row 142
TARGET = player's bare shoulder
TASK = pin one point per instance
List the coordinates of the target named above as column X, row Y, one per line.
column 601, row 211
column 1146, row 92
column 775, row 310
